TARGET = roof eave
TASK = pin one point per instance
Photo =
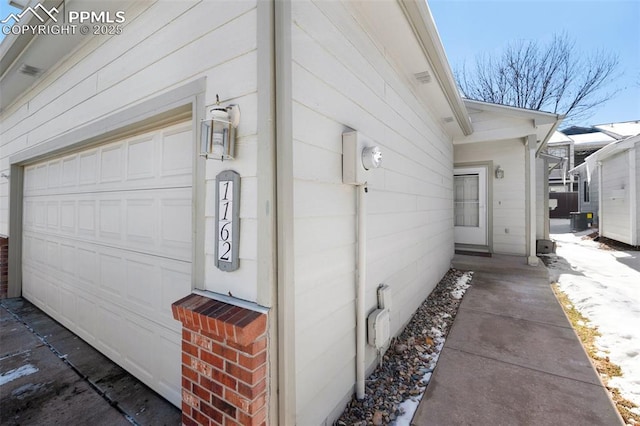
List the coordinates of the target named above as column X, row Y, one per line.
column 419, row 17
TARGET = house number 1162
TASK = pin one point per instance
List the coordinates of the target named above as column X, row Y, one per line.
column 227, row 220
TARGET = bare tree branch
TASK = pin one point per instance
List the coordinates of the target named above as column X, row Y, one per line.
column 552, row 78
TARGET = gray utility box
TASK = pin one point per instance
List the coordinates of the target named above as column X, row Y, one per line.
column 581, row 220
column 545, row 247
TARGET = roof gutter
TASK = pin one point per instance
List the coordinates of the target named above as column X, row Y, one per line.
column 559, row 118
column 419, row 17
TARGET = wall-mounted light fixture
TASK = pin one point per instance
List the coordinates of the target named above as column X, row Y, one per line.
column 219, row 132
column 371, row 157
column 499, row 172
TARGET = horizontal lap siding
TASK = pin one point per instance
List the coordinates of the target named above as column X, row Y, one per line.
column 342, row 82
column 509, row 225
column 163, row 45
column 615, row 210
column 637, row 152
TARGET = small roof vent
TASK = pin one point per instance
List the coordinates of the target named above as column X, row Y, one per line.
column 30, row 70
column 423, row 77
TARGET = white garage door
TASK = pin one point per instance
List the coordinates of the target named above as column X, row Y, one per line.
column 107, row 248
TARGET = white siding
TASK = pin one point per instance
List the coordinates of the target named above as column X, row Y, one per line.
column 341, row 81
column 166, row 46
column 616, row 198
column 637, row 151
column 509, row 194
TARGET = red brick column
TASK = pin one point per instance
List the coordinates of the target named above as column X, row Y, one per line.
column 4, row 267
column 224, row 363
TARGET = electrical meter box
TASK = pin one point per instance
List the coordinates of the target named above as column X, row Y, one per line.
column 359, row 156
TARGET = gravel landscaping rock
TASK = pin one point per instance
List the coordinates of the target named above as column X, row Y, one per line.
column 406, row 366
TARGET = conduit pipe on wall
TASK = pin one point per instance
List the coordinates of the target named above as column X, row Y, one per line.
column 361, row 237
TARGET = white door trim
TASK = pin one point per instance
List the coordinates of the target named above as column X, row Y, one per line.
column 475, row 235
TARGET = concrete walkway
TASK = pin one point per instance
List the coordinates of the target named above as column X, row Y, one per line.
column 49, row 376
column 511, row 357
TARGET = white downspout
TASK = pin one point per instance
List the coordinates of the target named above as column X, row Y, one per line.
column 600, row 200
column 633, row 197
column 530, row 148
column 361, row 237
column 287, row 407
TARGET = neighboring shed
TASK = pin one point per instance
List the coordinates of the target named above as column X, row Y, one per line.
column 615, row 167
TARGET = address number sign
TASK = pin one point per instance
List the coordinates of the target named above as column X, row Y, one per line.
column 227, row 220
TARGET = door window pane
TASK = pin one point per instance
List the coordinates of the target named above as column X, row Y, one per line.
column 466, row 200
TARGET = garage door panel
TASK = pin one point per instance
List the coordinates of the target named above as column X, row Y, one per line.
column 169, row 354
column 52, row 215
column 162, row 161
column 110, row 338
column 142, row 282
column 87, row 218
column 109, row 220
column 40, row 215
column 140, row 159
column 68, row 256
column 68, row 307
column 88, row 173
column 112, row 275
column 69, row 172
column 86, row 324
column 52, row 295
column 176, row 283
column 53, row 253
column 140, row 338
column 111, row 163
column 176, row 160
column 142, row 220
column 158, row 221
column 107, row 247
column 87, row 270
column 176, row 223
column 68, row 217
column 54, row 173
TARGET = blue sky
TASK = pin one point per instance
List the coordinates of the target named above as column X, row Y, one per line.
column 6, row 10
column 472, row 27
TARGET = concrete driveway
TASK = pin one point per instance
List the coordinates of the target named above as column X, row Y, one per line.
column 49, row 376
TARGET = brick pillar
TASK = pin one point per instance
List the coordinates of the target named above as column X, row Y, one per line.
column 4, row 267
column 224, row 363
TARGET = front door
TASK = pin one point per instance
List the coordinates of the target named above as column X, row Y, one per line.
column 470, row 206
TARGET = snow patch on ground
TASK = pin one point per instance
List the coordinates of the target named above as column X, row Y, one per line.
column 16, row 373
column 461, row 285
column 604, row 285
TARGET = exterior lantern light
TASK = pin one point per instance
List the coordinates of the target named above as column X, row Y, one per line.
column 499, row 172
column 219, row 132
